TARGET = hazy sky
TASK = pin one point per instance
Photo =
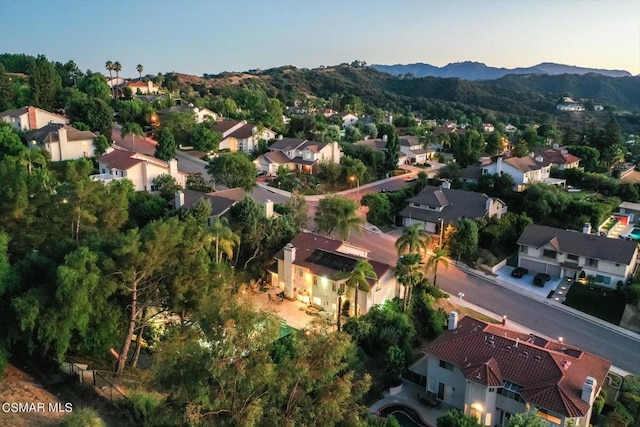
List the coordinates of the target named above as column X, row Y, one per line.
column 211, row 36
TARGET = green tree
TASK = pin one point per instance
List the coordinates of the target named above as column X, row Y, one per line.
column 392, row 151
column 379, row 212
column 413, row 240
column 296, row 207
column 10, row 143
column 455, row 418
column 166, row 148
column 197, row 182
column 233, row 170
column 139, row 69
column 337, row 213
column 109, row 67
column 204, row 139
column 439, row 257
column 117, row 67
column 529, row 418
column 94, row 86
column 166, row 185
column 45, row 83
column 358, row 280
column 100, row 145
column 464, row 243
column 225, row 240
column 132, row 129
column 395, row 362
column 409, row 273
column 494, row 143
column 521, row 149
column 93, row 112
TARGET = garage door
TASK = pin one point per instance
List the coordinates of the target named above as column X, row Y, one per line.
column 553, row 270
column 533, row 266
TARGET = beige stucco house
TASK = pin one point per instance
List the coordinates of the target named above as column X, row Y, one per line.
column 31, row 118
column 63, row 142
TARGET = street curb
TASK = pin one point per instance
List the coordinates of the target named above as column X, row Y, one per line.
column 614, row 328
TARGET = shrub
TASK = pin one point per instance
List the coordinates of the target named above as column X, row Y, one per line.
column 632, row 293
column 631, row 403
column 145, row 403
column 631, row 384
column 83, row 417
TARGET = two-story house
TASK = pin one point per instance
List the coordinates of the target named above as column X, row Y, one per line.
column 579, row 256
column 307, row 269
column 143, row 88
column 524, row 170
column 347, row 119
column 415, row 151
column 558, row 157
column 238, row 135
column 30, row 118
column 380, row 144
column 435, row 206
column 492, row 372
column 139, row 168
column 63, row 142
column 299, row 155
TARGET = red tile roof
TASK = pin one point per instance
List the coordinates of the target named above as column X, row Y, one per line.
column 125, row 159
column 551, row 374
column 556, row 156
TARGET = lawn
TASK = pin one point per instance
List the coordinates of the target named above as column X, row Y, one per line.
column 604, row 304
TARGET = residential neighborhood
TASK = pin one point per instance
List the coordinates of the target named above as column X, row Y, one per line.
column 326, row 246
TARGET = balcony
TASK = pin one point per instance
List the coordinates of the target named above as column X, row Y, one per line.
column 104, row 177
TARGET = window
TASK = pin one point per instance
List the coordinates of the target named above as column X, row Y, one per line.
column 333, row 286
column 511, row 391
column 573, row 258
column 547, row 253
column 523, row 249
column 603, row 279
column 378, row 286
column 592, row 262
column 299, row 271
column 446, row 365
column 315, row 280
column 342, row 287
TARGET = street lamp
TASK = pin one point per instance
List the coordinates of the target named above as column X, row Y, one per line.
column 441, row 231
column 353, row 178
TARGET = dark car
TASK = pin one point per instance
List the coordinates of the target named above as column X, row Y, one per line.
column 540, row 279
column 519, row 272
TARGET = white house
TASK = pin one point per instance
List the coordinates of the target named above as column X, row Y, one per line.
column 238, row 135
column 306, row 270
column 435, row 206
column 411, row 147
column 488, row 127
column 139, row 168
column 579, row 256
column 200, row 113
column 143, row 88
column 523, row 170
column 492, row 372
column 298, row 154
column 63, row 142
column 31, row 118
column 348, row 119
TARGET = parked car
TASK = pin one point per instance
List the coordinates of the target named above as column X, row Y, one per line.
column 519, row 272
column 411, row 178
column 540, row 279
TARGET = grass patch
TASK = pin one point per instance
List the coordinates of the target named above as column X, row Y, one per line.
column 602, row 303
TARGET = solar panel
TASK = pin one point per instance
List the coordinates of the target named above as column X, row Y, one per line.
column 332, row 260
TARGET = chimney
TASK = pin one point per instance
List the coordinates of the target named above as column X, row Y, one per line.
column 499, row 165
column 31, row 117
column 268, row 208
column 178, row 199
column 445, row 184
column 517, row 342
column 289, row 258
column 453, row 321
column 586, row 228
column 173, row 168
column 589, row 390
column 149, row 86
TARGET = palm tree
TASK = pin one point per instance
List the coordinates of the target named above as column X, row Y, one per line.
column 439, row 256
column 31, row 157
column 340, row 294
column 413, row 240
column 349, row 223
column 225, row 239
column 409, row 273
column 132, row 129
column 358, row 279
column 117, row 68
column 140, row 68
column 109, row 66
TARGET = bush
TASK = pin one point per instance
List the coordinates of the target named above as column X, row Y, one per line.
column 83, row 417
column 614, row 419
column 631, row 384
column 631, row 403
column 598, row 404
column 486, row 257
column 632, row 293
column 145, row 403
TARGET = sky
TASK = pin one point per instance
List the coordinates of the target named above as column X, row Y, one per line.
column 212, row 36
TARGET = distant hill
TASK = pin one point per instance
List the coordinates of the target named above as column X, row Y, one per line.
column 478, row 71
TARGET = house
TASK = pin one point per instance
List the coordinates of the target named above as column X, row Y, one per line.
column 348, row 119
column 558, row 157
column 306, row 269
column 63, row 142
column 220, row 201
column 524, row 170
column 509, row 128
column 492, row 372
column 143, row 88
column 470, row 174
column 434, row 206
column 570, row 107
column 200, row 113
column 238, row 135
column 576, row 255
column 31, row 118
column 415, row 151
column 139, row 168
column 115, row 82
column 488, row 127
column 380, row 144
column 632, row 210
column 298, row 154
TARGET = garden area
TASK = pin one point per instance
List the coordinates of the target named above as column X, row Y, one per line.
column 605, row 304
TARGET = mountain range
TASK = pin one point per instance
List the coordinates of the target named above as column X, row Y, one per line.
column 469, row 70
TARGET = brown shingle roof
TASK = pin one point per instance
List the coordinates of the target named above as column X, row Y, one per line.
column 526, row 164
column 577, row 243
column 285, row 144
column 125, row 159
column 224, row 125
column 556, row 156
column 220, row 201
column 550, row 376
column 49, row 133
